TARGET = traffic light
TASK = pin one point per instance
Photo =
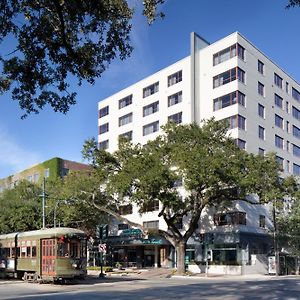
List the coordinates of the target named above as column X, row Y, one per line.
column 102, row 231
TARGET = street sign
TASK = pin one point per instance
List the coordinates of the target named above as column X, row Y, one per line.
column 102, row 248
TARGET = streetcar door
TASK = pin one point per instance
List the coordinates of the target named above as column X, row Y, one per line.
column 48, row 257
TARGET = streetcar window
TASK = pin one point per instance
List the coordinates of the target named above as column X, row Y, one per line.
column 7, row 251
column 62, row 250
column 23, row 251
column 13, row 254
column 28, row 252
column 33, row 251
column 82, row 248
column 74, row 249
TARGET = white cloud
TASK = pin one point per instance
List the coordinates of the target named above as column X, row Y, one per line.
column 14, row 157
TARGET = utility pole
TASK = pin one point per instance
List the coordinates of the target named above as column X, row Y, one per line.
column 43, row 201
column 275, row 240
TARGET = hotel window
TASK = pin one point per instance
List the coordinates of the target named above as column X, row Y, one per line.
column 278, row 101
column 175, row 99
column 125, row 101
column 296, row 132
column 151, row 206
column 123, row 226
column 262, row 221
column 278, row 121
column 125, row 119
column 280, row 162
column 103, row 145
column 278, row 80
column 150, row 109
column 150, row 128
column 295, row 94
column 261, row 110
column 176, row 118
column 296, row 169
column 296, row 113
column 228, row 53
column 230, row 218
column 236, row 121
column 261, row 132
column 151, row 224
column 261, row 88
column 103, row 112
column 287, row 87
column 261, row 151
column 228, row 76
column 260, row 67
column 126, row 135
column 240, row 143
column 151, row 89
column 103, row 128
column 229, row 99
column 278, row 142
column 46, row 173
column 175, row 78
column 36, row 177
column 296, row 150
column 125, row 209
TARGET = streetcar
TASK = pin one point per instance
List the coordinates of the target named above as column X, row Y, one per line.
column 54, row 254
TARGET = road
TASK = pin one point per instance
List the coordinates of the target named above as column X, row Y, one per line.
column 159, row 288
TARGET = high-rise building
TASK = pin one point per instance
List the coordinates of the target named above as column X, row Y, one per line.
column 228, row 79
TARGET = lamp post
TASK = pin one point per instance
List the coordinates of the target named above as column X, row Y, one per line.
column 275, row 240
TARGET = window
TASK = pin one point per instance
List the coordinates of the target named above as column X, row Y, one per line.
column 126, row 119
column 296, row 132
column 278, row 141
column 278, row 101
column 262, row 221
column 151, row 89
column 287, row 87
column 103, row 128
column 296, row 169
column 36, row 177
column 29, row 178
column 150, row 109
column 150, row 128
column 125, row 209
column 261, row 110
column 261, row 132
column 240, row 143
column 127, row 135
column 175, row 99
column 278, row 121
column 296, row 113
column 296, row 150
column 261, row 151
column 280, row 162
column 295, row 94
column 229, row 99
column 176, row 118
column 123, row 226
column 103, row 145
column 125, row 101
column 103, row 112
column 237, row 121
column 261, row 89
column 151, row 224
column 260, row 67
column 175, row 78
column 230, row 218
column 228, row 53
column 151, row 206
column 278, row 80
column 228, row 76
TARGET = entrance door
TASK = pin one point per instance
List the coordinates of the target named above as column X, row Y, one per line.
column 48, row 257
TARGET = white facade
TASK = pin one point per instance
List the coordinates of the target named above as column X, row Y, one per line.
column 263, row 125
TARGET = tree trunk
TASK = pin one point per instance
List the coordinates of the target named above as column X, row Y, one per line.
column 180, row 250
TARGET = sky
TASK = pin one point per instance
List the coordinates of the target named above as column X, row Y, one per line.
column 266, row 23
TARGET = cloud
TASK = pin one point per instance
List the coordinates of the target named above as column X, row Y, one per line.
column 14, row 157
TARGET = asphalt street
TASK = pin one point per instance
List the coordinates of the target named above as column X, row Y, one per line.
column 158, row 288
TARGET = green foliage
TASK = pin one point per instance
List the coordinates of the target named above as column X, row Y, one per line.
column 293, row 3
column 20, row 208
column 59, row 39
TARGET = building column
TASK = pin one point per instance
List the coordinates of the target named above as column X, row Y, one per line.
column 155, row 256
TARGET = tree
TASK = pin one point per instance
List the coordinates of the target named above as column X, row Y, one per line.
column 214, row 171
column 58, row 39
column 293, row 3
column 21, row 208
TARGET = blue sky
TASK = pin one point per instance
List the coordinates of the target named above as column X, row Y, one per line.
column 266, row 23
